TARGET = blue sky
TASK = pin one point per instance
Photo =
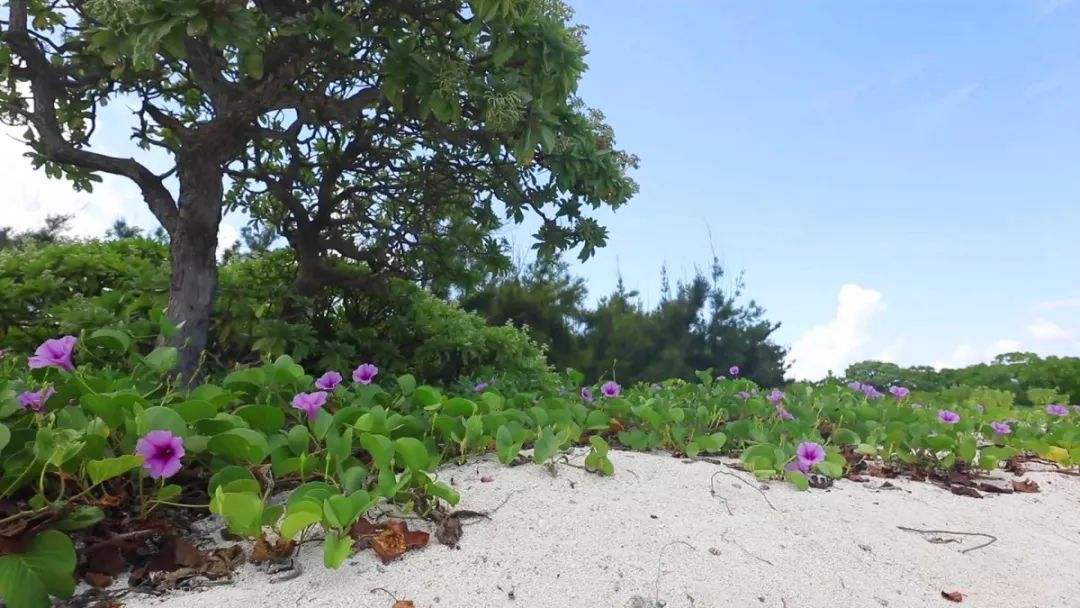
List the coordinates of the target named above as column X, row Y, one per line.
column 926, row 151
column 898, row 180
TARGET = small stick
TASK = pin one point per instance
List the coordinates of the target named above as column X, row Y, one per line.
column 730, row 474
column 659, row 565
column 993, row 539
column 745, row 550
column 119, row 538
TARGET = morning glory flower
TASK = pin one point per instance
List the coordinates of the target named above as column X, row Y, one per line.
column 35, row 401
column 54, row 353
column 806, row 455
column 743, row 395
column 328, row 381
column 871, row 392
column 948, row 417
column 481, row 387
column 855, row 386
column 610, row 389
column 162, row 451
column 365, row 373
column 309, row 403
column 899, row 392
column 1057, row 410
column 733, row 370
column 784, row 414
column 586, row 394
column 1001, row 428
column 776, row 396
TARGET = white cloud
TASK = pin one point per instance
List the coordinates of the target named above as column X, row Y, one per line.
column 227, row 235
column 834, row 345
column 1059, row 304
column 890, row 352
column 961, row 356
column 30, row 196
column 1048, row 331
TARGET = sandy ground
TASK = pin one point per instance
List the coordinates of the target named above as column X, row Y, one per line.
column 654, row 535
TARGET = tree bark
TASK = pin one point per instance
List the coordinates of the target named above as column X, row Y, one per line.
column 193, row 256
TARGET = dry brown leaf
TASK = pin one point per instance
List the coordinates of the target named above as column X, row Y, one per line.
column 449, row 531
column 616, row 426
column 263, row 551
column 1025, row 485
column 403, row 604
column 96, row 579
column 953, row 596
column 395, row 539
column 176, row 552
column 960, row 490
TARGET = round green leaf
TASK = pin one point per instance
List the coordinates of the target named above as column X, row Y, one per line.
column 413, row 453
column 112, row 339
column 162, row 418
column 240, row 445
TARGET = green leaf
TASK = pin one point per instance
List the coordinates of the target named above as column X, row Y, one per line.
column 407, row 384
column 966, row 449
column 831, row 469
column 46, row 568
column 545, row 447
column 299, row 440
column 162, row 418
column 362, row 501
column 227, row 475
column 693, row 449
column 426, row 395
column 112, row 339
column 797, row 479
column 5, row 436
column 265, row 418
column 339, row 511
column 413, row 453
column 336, row 549
column 443, row 491
column 844, row 437
column 296, row 522
column 380, row 447
column 459, row 406
column 80, row 518
column 242, row 510
column 252, row 64
column 505, row 446
column 240, row 445
column 162, row 359
column 196, row 409
column 168, row 493
column 108, row 468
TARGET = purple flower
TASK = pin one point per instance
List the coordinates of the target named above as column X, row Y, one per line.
column 784, row 414
column 855, row 386
column 328, row 381
column 776, row 396
column 365, row 373
column 899, row 392
column 809, row 453
column 54, row 353
column 743, row 395
column 1001, row 428
column 610, row 389
column 162, row 451
column 733, row 370
column 35, row 401
column 1057, row 410
column 948, row 416
column 871, row 392
column 309, row 403
column 481, row 387
column 586, row 394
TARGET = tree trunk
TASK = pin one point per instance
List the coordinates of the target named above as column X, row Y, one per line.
column 193, row 256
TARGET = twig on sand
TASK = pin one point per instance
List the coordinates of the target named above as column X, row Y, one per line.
column 993, row 539
column 483, row 514
column 660, row 564
column 712, row 487
column 745, row 550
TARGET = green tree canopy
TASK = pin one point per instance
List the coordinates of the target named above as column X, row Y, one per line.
column 379, row 138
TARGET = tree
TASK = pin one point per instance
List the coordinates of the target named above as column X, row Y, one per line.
column 392, row 133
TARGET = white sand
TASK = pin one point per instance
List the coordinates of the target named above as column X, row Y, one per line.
column 581, row 540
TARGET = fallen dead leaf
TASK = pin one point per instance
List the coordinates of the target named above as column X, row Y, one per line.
column 953, row 596
column 961, row 490
column 176, row 552
column 616, row 426
column 996, row 487
column 403, row 604
column 1025, row 485
column 263, row 551
column 395, row 539
column 96, row 579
